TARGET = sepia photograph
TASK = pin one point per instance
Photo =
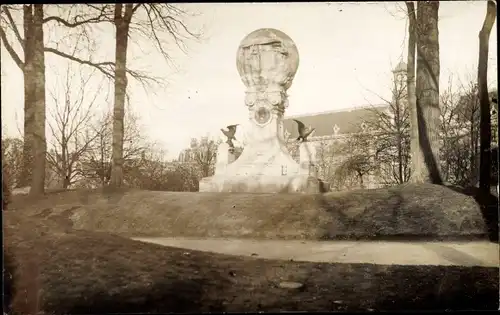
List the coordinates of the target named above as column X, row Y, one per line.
column 249, row 157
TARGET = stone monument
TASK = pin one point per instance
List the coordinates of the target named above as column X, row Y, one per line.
column 225, row 156
column 307, row 151
column 267, row 60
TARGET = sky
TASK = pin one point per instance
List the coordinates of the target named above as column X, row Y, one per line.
column 346, row 51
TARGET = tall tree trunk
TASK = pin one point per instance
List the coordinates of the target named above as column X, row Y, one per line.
column 122, row 23
column 484, row 102
column 64, row 171
column 361, row 182
column 427, row 90
column 416, row 152
column 474, row 152
column 29, row 98
column 39, row 141
column 400, row 162
column 399, row 139
column 66, row 181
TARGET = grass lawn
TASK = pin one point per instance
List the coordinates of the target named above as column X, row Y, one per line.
column 59, row 270
column 407, row 211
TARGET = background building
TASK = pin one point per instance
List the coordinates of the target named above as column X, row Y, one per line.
column 335, row 129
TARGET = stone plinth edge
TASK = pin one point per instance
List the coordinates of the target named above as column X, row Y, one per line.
column 263, row 184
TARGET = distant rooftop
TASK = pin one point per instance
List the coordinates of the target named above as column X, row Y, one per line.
column 344, row 121
column 402, row 66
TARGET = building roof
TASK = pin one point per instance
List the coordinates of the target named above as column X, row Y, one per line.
column 347, row 120
column 402, row 66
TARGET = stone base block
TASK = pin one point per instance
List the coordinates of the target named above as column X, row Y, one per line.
column 263, row 184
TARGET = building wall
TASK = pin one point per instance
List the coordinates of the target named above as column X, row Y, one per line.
column 330, row 155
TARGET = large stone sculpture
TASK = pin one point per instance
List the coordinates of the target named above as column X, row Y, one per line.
column 267, row 61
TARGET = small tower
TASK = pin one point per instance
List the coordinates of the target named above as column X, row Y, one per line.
column 399, row 82
column 400, row 74
column 399, row 98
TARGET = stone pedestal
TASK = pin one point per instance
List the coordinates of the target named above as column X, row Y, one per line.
column 262, row 167
column 307, row 151
column 267, row 62
column 225, row 157
column 262, row 184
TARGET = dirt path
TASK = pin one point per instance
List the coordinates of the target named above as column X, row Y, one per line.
column 478, row 253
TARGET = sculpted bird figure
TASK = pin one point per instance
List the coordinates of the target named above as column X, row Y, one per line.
column 304, row 131
column 229, row 133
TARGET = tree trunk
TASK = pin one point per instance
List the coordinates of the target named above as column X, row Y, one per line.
column 66, row 181
column 122, row 27
column 427, row 90
column 484, row 102
column 399, row 144
column 361, row 181
column 473, row 152
column 29, row 98
column 39, row 141
column 416, row 152
column 65, row 168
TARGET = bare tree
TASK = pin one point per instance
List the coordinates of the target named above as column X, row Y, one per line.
column 482, row 74
column 95, row 163
column 151, row 21
column 451, row 136
column 160, row 18
column 417, row 157
column 182, row 177
column 390, row 130
column 122, row 24
column 12, row 160
column 327, row 159
column 201, row 155
column 39, row 141
column 469, row 115
column 155, row 19
column 69, row 120
column 33, row 68
column 357, row 162
column 460, row 121
column 427, row 90
column 150, row 172
column 459, row 125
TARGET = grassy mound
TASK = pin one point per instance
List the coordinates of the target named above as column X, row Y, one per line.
column 60, row 271
column 419, row 211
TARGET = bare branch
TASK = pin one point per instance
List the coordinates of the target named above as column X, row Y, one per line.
column 11, row 50
column 107, row 68
column 97, row 19
column 137, row 6
column 98, row 65
column 13, row 26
